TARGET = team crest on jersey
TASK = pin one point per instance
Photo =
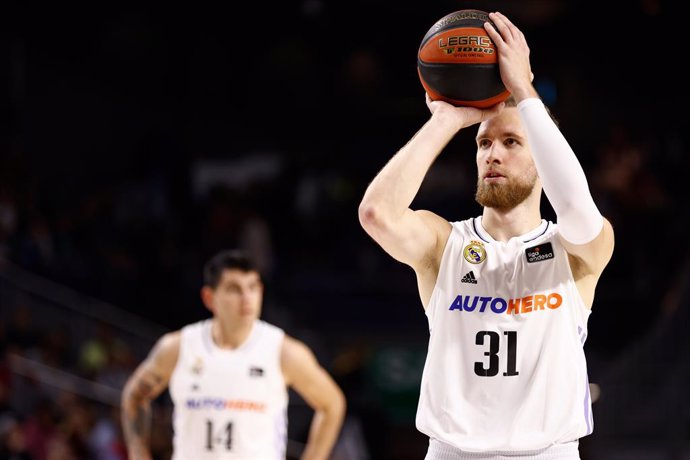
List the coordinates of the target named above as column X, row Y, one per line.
column 474, row 252
column 198, row 366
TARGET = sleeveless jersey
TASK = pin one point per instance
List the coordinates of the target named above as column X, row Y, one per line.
column 229, row 404
column 505, row 367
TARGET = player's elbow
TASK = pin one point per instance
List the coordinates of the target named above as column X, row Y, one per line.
column 127, row 397
column 336, row 406
column 339, row 402
column 371, row 216
column 130, row 398
column 367, row 214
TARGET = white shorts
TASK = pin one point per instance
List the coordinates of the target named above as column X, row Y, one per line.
column 441, row 451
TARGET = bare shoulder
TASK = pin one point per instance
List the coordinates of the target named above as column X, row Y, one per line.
column 153, row 374
column 297, row 359
column 166, row 351
column 169, row 343
column 295, row 350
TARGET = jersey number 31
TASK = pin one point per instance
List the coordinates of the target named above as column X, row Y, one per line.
column 492, row 353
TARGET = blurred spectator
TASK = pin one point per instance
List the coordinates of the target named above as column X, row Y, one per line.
column 54, row 347
column 624, row 178
column 8, row 219
column 105, row 440
column 232, row 219
column 12, row 440
column 40, row 429
column 627, row 178
column 22, row 336
column 94, row 354
column 120, row 362
column 75, row 426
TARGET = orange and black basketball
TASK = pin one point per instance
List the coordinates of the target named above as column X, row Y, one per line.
column 457, row 62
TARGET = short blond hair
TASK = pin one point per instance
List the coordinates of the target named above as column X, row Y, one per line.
column 511, row 102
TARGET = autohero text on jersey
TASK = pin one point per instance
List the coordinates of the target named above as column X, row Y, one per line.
column 223, row 404
column 500, row 305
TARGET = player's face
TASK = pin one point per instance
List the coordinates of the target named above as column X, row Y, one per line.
column 238, row 296
column 506, row 172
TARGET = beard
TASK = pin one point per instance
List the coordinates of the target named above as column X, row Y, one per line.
column 507, row 195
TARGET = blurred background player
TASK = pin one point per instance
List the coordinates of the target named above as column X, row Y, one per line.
column 228, row 378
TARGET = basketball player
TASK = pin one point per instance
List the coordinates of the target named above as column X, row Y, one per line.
column 507, row 294
column 228, row 377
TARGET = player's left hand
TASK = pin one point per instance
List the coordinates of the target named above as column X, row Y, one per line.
column 513, row 54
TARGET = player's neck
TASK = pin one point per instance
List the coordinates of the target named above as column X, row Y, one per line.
column 229, row 336
column 503, row 225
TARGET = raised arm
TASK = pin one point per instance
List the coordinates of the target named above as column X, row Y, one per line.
column 416, row 238
column 313, row 383
column 145, row 384
column 585, row 233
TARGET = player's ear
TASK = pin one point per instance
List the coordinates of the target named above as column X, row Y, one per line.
column 207, row 298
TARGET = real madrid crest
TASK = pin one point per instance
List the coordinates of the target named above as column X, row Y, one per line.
column 474, row 252
column 198, row 366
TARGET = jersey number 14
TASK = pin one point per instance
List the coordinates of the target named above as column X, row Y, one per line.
column 222, row 438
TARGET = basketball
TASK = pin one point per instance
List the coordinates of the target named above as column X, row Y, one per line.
column 457, row 62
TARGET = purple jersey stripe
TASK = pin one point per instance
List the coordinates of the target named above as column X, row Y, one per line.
column 588, row 405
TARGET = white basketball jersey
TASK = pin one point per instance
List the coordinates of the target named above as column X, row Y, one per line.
column 229, row 404
column 505, row 369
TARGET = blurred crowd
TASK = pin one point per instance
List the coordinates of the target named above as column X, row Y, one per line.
column 42, row 420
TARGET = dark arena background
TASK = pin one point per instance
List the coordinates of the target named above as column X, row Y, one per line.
column 138, row 142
